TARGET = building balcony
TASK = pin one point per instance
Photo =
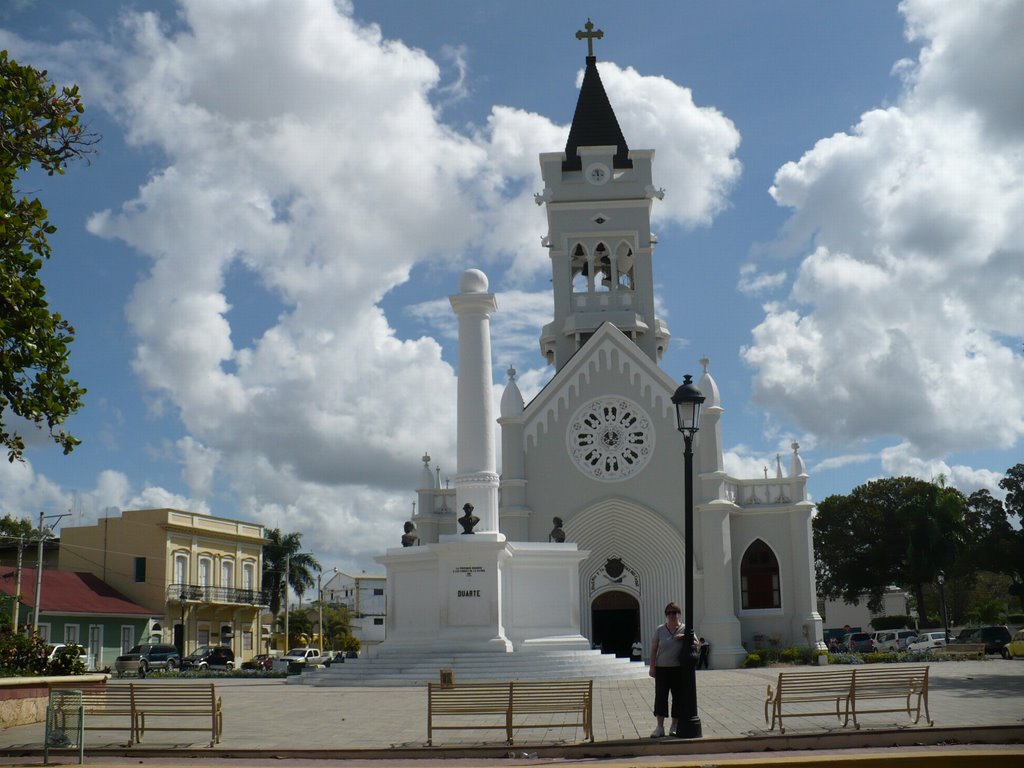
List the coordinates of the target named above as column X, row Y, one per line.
column 197, row 593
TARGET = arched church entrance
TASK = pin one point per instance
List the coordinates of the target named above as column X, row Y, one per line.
column 615, row 622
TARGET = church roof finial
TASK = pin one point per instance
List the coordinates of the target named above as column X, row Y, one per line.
column 594, row 123
column 590, row 35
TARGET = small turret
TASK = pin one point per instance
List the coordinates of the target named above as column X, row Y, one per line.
column 796, row 465
column 512, row 404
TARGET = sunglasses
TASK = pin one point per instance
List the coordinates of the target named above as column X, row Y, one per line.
column 671, row 613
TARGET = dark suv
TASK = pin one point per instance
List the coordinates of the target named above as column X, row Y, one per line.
column 142, row 658
column 994, row 638
column 212, row 657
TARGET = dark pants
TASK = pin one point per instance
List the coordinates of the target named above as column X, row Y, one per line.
column 704, row 657
column 668, row 680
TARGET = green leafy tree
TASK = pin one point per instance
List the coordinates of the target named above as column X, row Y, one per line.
column 1011, row 558
column 936, row 535
column 300, row 627
column 283, row 565
column 21, row 654
column 13, row 529
column 336, row 626
column 40, row 128
column 898, row 530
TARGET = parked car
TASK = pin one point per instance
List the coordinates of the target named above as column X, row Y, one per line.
column 858, row 642
column 1015, row 647
column 54, row 648
column 895, row 639
column 994, row 637
column 964, row 634
column 210, row 657
column 303, row 656
column 143, row 658
column 259, row 661
column 927, row 640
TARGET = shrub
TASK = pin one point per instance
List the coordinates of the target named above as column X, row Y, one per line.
column 845, row 658
column 21, row 654
column 791, row 654
column 753, row 660
column 67, row 661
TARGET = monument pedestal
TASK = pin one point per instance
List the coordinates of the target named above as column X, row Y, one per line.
column 478, row 592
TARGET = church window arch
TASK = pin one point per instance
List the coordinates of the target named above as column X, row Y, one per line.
column 624, row 266
column 580, row 266
column 603, row 280
column 759, row 578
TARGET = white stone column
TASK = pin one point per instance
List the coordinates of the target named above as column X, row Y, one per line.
column 476, row 480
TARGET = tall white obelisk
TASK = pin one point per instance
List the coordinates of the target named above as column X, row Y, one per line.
column 476, row 480
column 474, row 591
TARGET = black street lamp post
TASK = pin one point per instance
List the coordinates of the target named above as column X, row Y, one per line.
column 687, row 400
column 942, row 604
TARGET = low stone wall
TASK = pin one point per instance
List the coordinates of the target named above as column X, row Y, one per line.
column 23, row 699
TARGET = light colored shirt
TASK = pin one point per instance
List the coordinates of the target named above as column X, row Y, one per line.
column 667, row 648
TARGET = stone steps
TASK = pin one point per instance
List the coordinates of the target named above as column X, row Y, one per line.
column 407, row 668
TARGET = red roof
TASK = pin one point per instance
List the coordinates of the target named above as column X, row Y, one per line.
column 69, row 592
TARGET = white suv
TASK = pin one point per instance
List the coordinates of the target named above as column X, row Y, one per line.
column 927, row 640
column 895, row 639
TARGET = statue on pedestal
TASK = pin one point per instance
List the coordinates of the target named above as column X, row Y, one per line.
column 557, row 535
column 410, row 538
column 468, row 519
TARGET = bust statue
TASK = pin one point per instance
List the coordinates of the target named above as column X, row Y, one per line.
column 409, row 538
column 468, row 519
column 557, row 535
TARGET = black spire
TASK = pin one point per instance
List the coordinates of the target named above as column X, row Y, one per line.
column 594, row 123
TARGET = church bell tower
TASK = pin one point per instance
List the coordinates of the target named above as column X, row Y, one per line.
column 598, row 195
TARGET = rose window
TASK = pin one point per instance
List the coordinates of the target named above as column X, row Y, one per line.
column 610, row 438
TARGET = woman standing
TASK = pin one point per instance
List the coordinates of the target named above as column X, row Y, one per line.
column 666, row 671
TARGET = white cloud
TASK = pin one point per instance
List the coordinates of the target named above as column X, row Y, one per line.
column 835, row 462
column 743, row 463
column 303, row 149
column 902, row 319
column 900, row 460
column 752, row 282
column 24, row 492
column 696, row 146
column 198, row 466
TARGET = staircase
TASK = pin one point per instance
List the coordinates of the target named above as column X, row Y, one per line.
column 410, row 668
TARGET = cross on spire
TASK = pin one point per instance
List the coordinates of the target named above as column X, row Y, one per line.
column 590, row 35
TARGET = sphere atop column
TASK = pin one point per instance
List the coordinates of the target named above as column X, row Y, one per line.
column 473, row 281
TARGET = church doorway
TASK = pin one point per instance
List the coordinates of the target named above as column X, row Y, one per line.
column 615, row 622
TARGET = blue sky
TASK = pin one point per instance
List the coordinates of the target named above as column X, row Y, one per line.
column 258, row 258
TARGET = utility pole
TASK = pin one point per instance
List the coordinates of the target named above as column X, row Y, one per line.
column 39, row 574
column 16, row 608
column 43, row 535
column 287, row 570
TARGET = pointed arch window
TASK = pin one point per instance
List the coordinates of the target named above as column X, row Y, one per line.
column 759, row 577
column 624, row 266
column 602, row 268
column 580, row 269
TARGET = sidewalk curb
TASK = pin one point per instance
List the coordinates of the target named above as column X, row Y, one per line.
column 874, row 739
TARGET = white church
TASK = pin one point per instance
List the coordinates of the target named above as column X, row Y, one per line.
column 597, row 448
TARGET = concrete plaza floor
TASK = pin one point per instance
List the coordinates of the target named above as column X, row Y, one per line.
column 267, row 718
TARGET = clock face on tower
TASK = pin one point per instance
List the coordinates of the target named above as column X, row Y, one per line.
column 597, row 173
column 610, row 438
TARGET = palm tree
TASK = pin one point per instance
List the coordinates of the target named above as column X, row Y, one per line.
column 280, row 555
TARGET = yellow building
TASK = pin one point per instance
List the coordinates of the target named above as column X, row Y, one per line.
column 202, row 574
